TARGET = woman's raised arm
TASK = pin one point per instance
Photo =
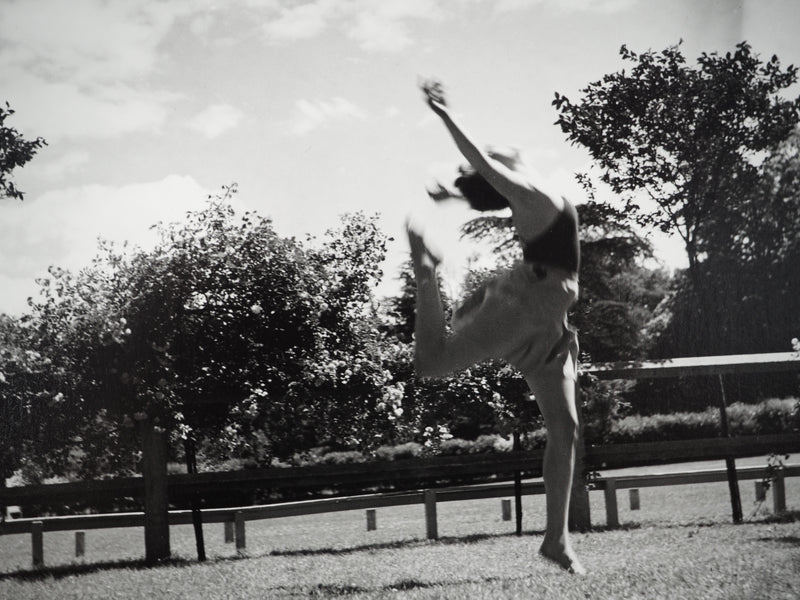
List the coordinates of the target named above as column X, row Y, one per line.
column 507, row 182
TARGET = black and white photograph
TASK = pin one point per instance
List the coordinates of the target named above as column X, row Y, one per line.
column 407, row 299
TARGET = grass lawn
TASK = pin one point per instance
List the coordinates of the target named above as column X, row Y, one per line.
column 679, row 545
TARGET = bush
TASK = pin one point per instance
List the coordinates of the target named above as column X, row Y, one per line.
column 493, row 443
column 400, row 452
column 456, row 446
column 767, row 417
column 347, row 457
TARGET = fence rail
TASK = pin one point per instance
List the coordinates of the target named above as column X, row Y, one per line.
column 728, row 364
column 405, row 474
column 237, row 516
column 427, row 473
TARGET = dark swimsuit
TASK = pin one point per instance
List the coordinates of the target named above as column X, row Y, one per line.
column 559, row 245
column 520, row 316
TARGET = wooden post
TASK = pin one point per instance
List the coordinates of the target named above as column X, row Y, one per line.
column 156, row 505
column 505, row 507
column 3, row 507
column 431, row 526
column 372, row 523
column 778, row 493
column 241, row 540
column 197, row 517
column 761, row 491
column 37, row 543
column 580, row 518
column 610, row 492
column 730, row 462
column 518, row 487
column 634, row 499
column 228, row 532
column 80, row 543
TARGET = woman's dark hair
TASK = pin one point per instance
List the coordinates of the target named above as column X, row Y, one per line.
column 478, row 192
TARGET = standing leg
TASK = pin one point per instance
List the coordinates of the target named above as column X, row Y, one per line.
column 555, row 394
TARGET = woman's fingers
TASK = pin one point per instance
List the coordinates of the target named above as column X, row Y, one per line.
column 434, row 91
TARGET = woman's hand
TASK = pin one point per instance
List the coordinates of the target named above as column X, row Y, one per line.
column 435, row 96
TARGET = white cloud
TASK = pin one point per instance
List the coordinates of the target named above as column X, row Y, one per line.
column 374, row 26
column 78, row 67
column 85, row 40
column 301, row 21
column 215, row 120
column 65, row 164
column 567, row 6
column 383, row 26
column 312, row 115
column 61, row 227
column 67, row 109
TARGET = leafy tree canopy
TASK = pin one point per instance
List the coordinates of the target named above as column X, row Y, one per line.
column 15, row 151
column 229, row 331
column 688, row 138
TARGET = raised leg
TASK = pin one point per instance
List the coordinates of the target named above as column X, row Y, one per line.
column 435, row 352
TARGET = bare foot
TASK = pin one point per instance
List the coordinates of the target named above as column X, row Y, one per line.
column 564, row 557
column 421, row 255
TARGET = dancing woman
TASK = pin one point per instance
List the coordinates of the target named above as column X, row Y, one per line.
column 520, row 316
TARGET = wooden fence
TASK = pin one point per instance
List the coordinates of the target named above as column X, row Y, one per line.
column 434, row 472
column 402, row 474
column 234, row 518
column 717, row 366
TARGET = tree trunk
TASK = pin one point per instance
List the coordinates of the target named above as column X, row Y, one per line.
column 156, row 505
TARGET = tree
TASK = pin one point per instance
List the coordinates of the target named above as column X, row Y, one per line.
column 15, row 151
column 686, row 138
column 711, row 147
column 225, row 330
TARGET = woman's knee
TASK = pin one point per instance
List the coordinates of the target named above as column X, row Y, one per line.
column 563, row 427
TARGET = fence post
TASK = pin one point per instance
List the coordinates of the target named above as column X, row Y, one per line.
column 730, row 462
column 37, row 543
column 372, row 522
column 505, row 506
column 778, row 493
column 80, row 543
column 154, row 470
column 634, row 499
column 241, row 541
column 3, row 507
column 580, row 518
column 610, row 492
column 761, row 491
column 228, row 532
column 517, row 486
column 431, row 527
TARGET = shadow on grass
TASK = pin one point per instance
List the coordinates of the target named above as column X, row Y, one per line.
column 61, row 571
column 73, row 569
column 403, row 585
column 791, row 540
column 787, row 516
column 407, row 543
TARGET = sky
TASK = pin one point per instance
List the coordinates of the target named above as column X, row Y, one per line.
column 311, row 107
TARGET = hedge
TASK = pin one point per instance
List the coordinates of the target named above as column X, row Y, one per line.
column 766, row 417
column 769, row 416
